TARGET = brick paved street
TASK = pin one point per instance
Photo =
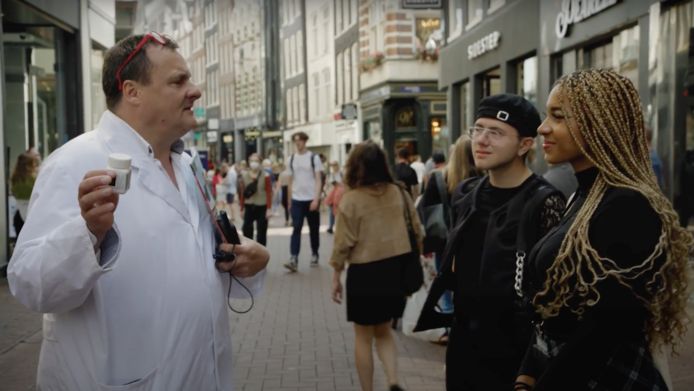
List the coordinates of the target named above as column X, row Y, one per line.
column 295, row 338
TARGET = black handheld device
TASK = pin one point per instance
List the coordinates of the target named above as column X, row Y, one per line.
column 228, row 228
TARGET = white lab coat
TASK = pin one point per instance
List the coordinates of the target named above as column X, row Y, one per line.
column 151, row 311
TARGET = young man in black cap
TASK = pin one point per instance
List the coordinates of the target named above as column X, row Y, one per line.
column 498, row 217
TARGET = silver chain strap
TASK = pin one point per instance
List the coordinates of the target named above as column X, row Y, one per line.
column 520, row 260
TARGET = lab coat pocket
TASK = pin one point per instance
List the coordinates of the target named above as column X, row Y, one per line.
column 142, row 384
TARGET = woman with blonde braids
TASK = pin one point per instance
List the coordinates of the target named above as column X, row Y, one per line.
column 608, row 283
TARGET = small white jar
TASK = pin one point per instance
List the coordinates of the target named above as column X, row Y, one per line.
column 120, row 164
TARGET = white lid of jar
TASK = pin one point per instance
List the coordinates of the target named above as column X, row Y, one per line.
column 119, row 161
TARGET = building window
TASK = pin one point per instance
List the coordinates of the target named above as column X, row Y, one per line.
column 300, row 51
column 347, row 59
column 346, row 17
column 495, row 5
column 326, row 92
column 354, row 11
column 474, row 12
column 465, row 106
column 491, row 82
column 302, row 103
column 316, row 37
column 455, row 19
column 376, row 14
column 526, row 79
column 340, row 78
column 338, row 16
column 355, row 71
column 326, row 29
column 316, row 103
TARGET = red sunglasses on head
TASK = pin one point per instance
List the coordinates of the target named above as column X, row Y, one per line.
column 151, row 36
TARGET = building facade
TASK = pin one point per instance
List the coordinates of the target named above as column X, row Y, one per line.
column 401, row 104
column 524, row 46
column 294, row 80
column 346, row 59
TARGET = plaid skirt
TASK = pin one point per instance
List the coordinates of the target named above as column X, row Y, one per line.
column 629, row 368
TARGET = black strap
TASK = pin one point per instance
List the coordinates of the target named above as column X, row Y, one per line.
column 313, row 163
column 443, row 195
column 408, row 220
column 527, row 222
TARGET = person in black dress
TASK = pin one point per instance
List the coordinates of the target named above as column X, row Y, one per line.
column 609, row 282
column 372, row 239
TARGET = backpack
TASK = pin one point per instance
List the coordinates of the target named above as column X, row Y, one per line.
column 436, row 218
column 430, row 318
column 313, row 168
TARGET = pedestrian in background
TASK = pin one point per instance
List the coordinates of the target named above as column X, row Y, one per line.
column 609, row 283
column 405, row 174
column 305, row 188
column 256, row 200
column 283, row 182
column 418, row 167
column 231, row 181
column 372, row 238
column 334, row 184
column 442, row 184
column 131, row 294
column 21, row 184
column 222, row 187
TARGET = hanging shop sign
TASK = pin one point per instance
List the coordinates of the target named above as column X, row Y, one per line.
column 484, row 45
column 574, row 11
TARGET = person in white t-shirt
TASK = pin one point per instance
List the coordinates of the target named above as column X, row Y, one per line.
column 304, row 192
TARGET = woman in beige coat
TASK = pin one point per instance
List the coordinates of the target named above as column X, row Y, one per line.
column 372, row 237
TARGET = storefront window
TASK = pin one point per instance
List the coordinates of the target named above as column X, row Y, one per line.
column 526, row 79
column 465, row 106
column 474, row 12
column 440, row 137
column 621, row 54
column 491, row 82
column 455, row 19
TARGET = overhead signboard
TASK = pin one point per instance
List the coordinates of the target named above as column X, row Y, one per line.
column 422, row 4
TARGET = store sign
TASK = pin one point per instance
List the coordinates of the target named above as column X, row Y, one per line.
column 574, row 11
column 349, row 111
column 484, row 45
column 421, row 4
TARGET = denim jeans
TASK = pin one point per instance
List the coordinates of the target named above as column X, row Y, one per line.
column 301, row 210
column 446, row 301
column 331, row 221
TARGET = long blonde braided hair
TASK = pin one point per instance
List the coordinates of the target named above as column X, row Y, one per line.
column 608, row 115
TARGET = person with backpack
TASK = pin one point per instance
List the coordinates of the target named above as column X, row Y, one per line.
column 304, row 193
column 499, row 217
column 434, row 208
column 256, row 199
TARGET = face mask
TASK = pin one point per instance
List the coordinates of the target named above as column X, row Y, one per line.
column 254, row 165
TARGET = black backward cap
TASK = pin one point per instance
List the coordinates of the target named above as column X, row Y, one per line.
column 513, row 110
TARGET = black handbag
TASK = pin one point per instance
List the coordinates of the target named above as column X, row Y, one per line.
column 412, row 274
column 435, row 217
column 252, row 187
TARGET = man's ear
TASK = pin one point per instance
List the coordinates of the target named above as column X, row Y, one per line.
column 131, row 92
column 526, row 144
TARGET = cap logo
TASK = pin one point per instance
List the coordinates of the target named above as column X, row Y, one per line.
column 502, row 115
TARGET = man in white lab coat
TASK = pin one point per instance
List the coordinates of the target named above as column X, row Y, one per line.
column 131, row 295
